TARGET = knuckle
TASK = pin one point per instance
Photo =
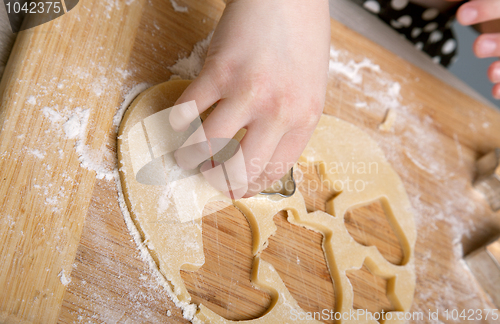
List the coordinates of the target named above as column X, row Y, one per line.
column 279, row 113
column 288, row 106
column 276, row 106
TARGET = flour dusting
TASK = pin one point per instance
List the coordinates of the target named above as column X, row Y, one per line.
column 409, row 137
column 352, row 68
column 177, row 7
column 381, row 88
column 31, row 100
column 189, row 311
column 164, row 201
column 53, row 115
column 37, row 153
column 63, row 278
column 128, row 98
column 76, row 125
column 189, row 67
column 99, row 160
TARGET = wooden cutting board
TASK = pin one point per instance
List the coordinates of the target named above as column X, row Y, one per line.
column 58, row 219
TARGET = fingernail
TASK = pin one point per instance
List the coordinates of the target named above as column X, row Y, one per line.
column 468, row 15
column 183, row 114
column 496, row 75
column 496, row 93
column 487, row 47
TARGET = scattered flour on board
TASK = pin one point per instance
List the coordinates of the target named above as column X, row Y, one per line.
column 111, row 5
column 31, row 100
column 99, row 85
column 128, row 98
column 101, row 161
column 414, row 138
column 177, row 7
column 189, row 67
column 76, row 125
column 189, row 311
column 53, row 115
column 383, row 90
column 64, row 279
column 351, row 69
column 37, row 153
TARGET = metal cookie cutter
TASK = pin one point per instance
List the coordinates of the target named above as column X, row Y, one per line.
column 285, row 187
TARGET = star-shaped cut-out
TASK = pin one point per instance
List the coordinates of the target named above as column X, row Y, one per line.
column 370, row 291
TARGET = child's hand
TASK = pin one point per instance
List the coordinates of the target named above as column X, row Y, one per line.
column 267, row 66
column 487, row 44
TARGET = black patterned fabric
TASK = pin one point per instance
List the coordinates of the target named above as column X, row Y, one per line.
column 427, row 28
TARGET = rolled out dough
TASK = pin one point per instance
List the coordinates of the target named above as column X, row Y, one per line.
column 335, row 147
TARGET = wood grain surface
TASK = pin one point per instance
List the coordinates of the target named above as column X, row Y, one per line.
column 44, row 193
column 98, row 52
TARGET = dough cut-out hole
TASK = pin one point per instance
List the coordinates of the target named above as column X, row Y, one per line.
column 316, row 193
column 223, row 283
column 369, row 225
column 370, row 291
column 225, row 273
column 301, row 265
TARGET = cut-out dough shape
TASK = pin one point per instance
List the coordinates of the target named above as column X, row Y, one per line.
column 340, row 151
